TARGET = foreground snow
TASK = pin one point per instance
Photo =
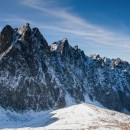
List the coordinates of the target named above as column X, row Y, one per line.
column 82, row 116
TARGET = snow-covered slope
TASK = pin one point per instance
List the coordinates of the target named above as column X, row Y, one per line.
column 82, row 116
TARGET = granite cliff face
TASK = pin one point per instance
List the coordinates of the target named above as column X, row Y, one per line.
column 38, row 76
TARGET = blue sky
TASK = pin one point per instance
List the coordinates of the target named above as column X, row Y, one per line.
column 96, row 26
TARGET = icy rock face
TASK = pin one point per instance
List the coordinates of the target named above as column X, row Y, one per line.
column 34, row 75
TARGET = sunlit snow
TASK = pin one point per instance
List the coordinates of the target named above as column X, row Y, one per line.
column 74, row 117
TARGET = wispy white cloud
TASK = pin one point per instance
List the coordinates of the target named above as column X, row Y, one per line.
column 15, row 20
column 66, row 21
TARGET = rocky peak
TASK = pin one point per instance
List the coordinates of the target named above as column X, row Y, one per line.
column 95, row 56
column 6, row 37
column 61, row 46
column 65, row 47
column 117, row 61
column 24, row 28
column 7, row 30
column 54, row 47
column 36, row 32
column 76, row 47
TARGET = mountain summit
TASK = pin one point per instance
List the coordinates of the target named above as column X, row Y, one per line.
column 38, row 76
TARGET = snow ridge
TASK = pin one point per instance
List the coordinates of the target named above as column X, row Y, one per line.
column 82, row 116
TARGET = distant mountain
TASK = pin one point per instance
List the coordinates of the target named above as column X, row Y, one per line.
column 81, row 116
column 38, row 76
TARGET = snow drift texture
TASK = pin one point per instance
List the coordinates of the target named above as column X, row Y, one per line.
column 34, row 75
column 76, row 117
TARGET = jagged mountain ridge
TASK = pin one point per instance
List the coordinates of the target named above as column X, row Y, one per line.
column 38, row 76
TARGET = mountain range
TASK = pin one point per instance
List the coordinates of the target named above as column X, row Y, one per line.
column 37, row 76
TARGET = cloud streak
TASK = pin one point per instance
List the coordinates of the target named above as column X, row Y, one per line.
column 66, row 22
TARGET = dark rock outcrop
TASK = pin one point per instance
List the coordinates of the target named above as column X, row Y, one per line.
column 6, row 38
